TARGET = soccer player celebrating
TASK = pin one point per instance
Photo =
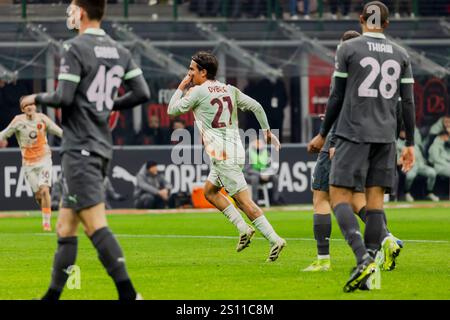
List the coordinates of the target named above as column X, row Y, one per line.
column 31, row 130
column 215, row 107
column 93, row 67
column 371, row 73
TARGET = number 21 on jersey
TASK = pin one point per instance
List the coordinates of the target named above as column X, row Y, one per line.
column 218, row 102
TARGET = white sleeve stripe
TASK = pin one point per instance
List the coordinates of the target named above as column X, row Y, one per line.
column 133, row 73
column 69, row 77
column 407, row 80
column 340, row 74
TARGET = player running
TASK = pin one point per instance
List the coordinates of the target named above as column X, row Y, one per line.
column 31, row 129
column 321, row 198
column 371, row 73
column 93, row 67
column 215, row 107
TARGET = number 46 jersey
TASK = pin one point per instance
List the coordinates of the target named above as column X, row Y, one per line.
column 98, row 65
column 375, row 68
column 215, row 107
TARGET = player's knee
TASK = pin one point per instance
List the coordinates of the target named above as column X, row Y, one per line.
column 44, row 192
column 65, row 230
column 320, row 201
column 38, row 196
column 210, row 195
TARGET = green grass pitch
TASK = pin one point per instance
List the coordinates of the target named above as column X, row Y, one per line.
column 192, row 256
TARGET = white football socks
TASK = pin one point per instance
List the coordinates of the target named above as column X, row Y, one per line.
column 235, row 218
column 263, row 225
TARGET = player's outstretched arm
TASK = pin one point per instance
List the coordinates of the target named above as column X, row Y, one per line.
column 9, row 130
column 62, row 97
column 137, row 94
column 246, row 103
column 52, row 127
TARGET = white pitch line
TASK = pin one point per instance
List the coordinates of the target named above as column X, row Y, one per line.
column 187, row 236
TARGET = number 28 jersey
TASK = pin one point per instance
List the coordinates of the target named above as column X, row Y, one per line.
column 375, row 67
column 215, row 105
column 98, row 65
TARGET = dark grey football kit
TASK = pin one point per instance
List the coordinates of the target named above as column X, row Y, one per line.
column 93, row 67
column 369, row 78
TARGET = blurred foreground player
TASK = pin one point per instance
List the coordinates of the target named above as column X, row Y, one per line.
column 93, row 67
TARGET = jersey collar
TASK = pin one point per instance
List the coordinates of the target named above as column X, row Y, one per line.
column 375, row 35
column 95, row 31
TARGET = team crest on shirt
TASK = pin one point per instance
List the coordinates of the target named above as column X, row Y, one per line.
column 39, row 126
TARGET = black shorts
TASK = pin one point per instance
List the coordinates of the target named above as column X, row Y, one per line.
column 363, row 164
column 83, row 178
column 321, row 175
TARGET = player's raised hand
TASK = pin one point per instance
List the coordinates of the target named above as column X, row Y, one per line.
column 27, row 100
column 407, row 159
column 271, row 138
column 316, row 144
column 185, row 82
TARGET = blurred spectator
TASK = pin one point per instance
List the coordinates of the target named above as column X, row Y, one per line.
column 208, row 8
column 403, row 6
column 152, row 189
column 180, row 124
column 420, row 168
column 260, row 8
column 344, row 5
column 443, row 124
column 154, row 134
column 439, row 154
column 259, row 170
column 235, row 10
column 294, row 8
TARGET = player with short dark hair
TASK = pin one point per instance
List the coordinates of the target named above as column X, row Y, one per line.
column 93, row 67
column 371, row 73
column 215, row 107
